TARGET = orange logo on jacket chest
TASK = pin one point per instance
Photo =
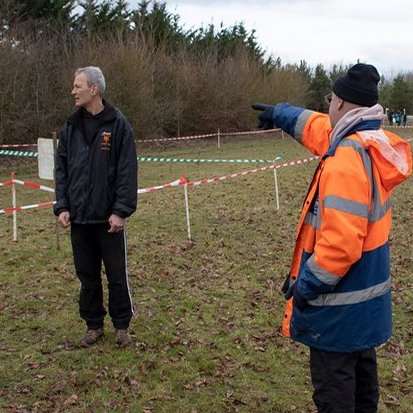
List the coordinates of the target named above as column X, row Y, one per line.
column 105, row 141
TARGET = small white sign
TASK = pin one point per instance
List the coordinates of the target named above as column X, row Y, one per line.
column 45, row 158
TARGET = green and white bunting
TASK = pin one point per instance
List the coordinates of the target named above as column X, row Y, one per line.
column 182, row 160
column 8, row 152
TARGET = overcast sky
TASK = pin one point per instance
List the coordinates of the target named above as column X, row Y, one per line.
column 318, row 31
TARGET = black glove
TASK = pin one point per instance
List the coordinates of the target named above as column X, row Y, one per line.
column 299, row 301
column 266, row 120
column 290, row 289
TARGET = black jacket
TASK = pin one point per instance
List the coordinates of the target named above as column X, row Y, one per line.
column 93, row 181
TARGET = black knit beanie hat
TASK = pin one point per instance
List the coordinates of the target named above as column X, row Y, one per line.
column 359, row 85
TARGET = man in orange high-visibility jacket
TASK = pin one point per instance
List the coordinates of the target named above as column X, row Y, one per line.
column 338, row 290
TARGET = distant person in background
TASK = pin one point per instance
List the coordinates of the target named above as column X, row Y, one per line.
column 390, row 116
column 96, row 190
column 404, row 118
column 398, row 118
column 339, row 288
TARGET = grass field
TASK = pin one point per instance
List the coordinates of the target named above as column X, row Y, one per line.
column 208, row 312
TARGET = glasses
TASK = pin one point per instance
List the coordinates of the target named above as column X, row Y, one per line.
column 328, row 98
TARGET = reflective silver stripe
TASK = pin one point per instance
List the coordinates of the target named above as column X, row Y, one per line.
column 322, row 275
column 299, row 126
column 346, row 205
column 312, row 220
column 377, row 209
column 351, row 143
column 125, row 242
column 353, row 297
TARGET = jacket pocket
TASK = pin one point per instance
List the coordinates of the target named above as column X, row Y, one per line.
column 299, row 322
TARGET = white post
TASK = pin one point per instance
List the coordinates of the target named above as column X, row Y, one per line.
column 276, row 187
column 282, row 134
column 188, row 224
column 219, row 139
column 14, row 204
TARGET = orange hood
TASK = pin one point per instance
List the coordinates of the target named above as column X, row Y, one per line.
column 390, row 154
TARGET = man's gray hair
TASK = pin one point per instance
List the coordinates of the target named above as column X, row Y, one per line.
column 94, row 76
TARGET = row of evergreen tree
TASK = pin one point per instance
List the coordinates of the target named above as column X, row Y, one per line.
column 168, row 80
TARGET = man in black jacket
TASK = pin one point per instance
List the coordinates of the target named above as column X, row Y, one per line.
column 96, row 190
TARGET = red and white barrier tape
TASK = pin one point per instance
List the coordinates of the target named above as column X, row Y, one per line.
column 16, row 145
column 207, row 135
column 183, row 180
column 179, row 182
column 251, row 171
column 156, row 188
column 41, row 204
column 28, row 184
column 33, row 185
column 5, row 183
column 251, row 132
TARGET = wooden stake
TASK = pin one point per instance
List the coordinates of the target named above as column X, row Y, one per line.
column 54, row 137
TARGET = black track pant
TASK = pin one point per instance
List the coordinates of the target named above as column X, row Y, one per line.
column 91, row 245
column 345, row 382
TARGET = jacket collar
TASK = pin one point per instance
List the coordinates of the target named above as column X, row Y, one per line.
column 356, row 120
column 108, row 115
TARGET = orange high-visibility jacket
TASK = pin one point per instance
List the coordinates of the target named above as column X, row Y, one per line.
column 341, row 262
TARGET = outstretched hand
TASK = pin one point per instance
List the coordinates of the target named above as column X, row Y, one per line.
column 266, row 117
